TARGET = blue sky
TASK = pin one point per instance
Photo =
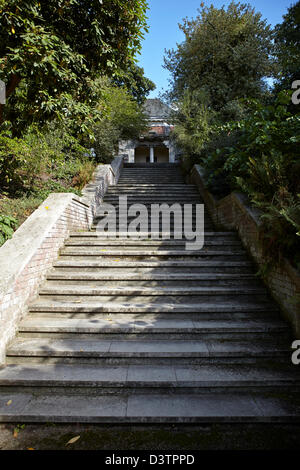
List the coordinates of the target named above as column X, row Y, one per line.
column 164, row 16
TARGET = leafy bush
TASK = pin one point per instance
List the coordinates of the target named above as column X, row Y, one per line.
column 263, row 161
column 84, row 175
column 7, row 226
column 13, row 153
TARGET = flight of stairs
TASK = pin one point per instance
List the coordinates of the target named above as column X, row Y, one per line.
column 142, row 330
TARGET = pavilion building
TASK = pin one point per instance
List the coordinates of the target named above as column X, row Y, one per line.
column 156, row 145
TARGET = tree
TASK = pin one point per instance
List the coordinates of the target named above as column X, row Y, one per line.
column 56, row 47
column 287, row 47
column 226, row 53
column 121, row 118
column 192, row 122
column 135, row 81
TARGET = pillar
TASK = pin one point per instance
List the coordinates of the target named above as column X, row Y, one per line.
column 151, row 154
column 131, row 153
column 171, row 153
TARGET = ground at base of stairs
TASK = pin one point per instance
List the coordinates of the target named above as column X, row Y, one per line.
column 110, row 437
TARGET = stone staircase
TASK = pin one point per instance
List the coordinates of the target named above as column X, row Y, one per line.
column 141, row 330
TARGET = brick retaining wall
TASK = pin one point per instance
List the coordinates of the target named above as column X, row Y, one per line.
column 233, row 212
column 30, row 253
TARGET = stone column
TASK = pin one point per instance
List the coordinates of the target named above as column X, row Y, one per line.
column 131, row 153
column 171, row 153
column 151, row 154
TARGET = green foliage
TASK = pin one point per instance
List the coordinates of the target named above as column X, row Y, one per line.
column 287, row 48
column 71, row 84
column 7, row 226
column 192, row 122
column 13, row 153
column 122, row 118
column 225, row 52
column 23, row 160
column 55, row 49
column 135, row 82
column 264, row 161
column 223, row 60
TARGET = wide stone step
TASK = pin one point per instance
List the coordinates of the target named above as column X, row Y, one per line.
column 151, row 324
column 76, row 290
column 146, row 235
column 144, row 350
column 87, row 242
column 98, row 247
column 162, row 266
column 118, row 256
column 96, row 306
column 181, row 186
column 210, row 407
column 154, row 199
column 157, row 230
column 221, row 377
column 163, row 301
column 137, row 180
column 117, row 191
column 137, row 279
column 68, row 251
column 151, row 179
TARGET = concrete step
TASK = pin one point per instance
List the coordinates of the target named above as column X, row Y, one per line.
column 142, row 251
column 162, row 266
column 118, row 190
column 146, row 235
column 77, row 349
column 157, row 234
column 115, row 324
column 127, row 377
column 181, row 186
column 154, row 255
column 157, row 408
column 148, row 305
column 138, row 181
column 87, row 242
column 134, row 245
column 167, row 279
column 76, row 290
column 153, row 180
column 154, row 199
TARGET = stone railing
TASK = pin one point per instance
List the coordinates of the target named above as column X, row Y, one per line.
column 234, row 212
column 28, row 255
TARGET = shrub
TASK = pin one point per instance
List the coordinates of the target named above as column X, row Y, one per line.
column 7, row 226
column 263, row 161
